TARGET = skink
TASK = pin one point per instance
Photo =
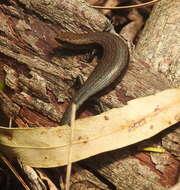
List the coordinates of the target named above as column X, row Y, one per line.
column 114, row 59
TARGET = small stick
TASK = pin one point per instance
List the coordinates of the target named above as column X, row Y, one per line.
column 10, row 122
column 127, row 7
column 69, row 165
column 4, row 159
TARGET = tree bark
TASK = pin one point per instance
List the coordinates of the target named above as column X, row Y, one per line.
column 39, row 79
column 162, row 34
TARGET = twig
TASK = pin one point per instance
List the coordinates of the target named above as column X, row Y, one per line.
column 127, row 7
column 4, row 159
column 10, row 122
column 69, row 166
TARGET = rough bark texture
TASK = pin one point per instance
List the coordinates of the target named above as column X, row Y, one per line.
column 162, row 34
column 32, row 66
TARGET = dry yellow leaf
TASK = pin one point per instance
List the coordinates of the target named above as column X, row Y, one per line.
column 142, row 118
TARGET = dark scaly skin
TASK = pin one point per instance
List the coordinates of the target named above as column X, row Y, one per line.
column 114, row 59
